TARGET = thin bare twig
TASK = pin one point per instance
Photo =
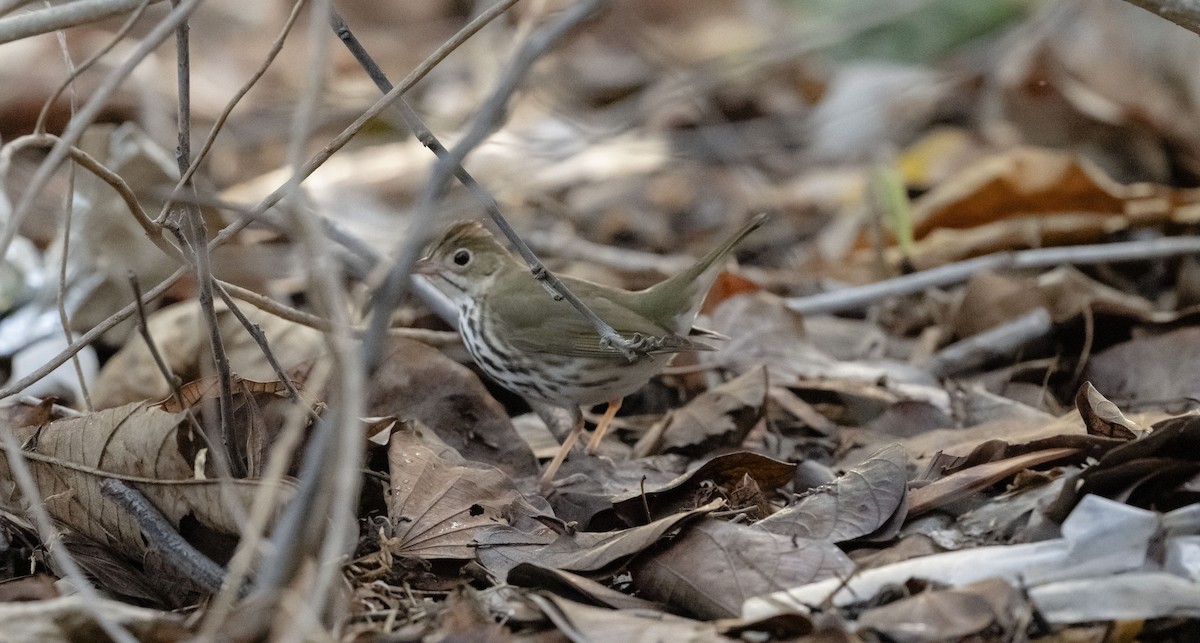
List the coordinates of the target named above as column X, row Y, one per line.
column 268, row 305
column 219, row 124
column 68, row 217
column 251, row 215
column 176, row 552
column 88, row 162
column 87, row 115
column 40, row 126
column 65, row 16
column 858, row 297
column 1001, row 341
column 260, row 339
column 1185, row 13
column 196, row 237
column 328, row 478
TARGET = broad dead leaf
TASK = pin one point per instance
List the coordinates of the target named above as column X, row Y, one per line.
column 137, row 444
column 419, row 382
column 964, row 483
column 716, row 565
column 501, row 549
column 581, row 622
column 1104, row 418
column 856, row 504
column 438, row 508
column 987, row 609
column 721, row 416
column 724, row 472
column 566, row 583
column 177, row 331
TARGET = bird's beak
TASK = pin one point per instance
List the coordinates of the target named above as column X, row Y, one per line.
column 424, row 267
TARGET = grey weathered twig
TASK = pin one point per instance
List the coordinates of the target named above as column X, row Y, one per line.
column 64, row 16
column 858, row 297
column 1002, row 341
column 1185, row 13
column 554, row 286
column 87, row 115
column 195, row 236
column 162, row 537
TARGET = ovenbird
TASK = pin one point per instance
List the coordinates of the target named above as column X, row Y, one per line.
column 541, row 347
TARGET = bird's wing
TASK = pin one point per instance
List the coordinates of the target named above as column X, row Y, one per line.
column 543, row 325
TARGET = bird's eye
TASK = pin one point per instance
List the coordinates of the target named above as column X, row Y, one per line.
column 462, row 257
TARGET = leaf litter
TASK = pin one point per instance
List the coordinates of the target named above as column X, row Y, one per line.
column 1005, row 453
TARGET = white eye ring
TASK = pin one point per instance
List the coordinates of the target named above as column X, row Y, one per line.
column 461, row 257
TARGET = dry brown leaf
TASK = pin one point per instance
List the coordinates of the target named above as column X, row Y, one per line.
column 137, row 444
column 419, row 382
column 962, row 484
column 501, row 549
column 725, row 472
column 721, row 416
column 1157, row 471
column 762, row 332
column 581, row 622
column 1102, row 417
column 132, row 374
column 1162, row 367
column 856, row 504
column 1029, row 180
column 438, row 508
column 987, row 609
column 716, row 565
column 576, row 587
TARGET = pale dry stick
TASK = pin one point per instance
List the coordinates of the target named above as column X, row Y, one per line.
column 343, row 137
column 87, row 115
column 40, row 126
column 68, row 216
column 219, row 124
column 61, row 17
column 344, row 453
column 173, row 380
column 260, row 514
column 254, row 213
column 196, row 237
column 67, row 566
column 999, row 341
column 259, row 338
column 114, row 180
column 266, row 304
column 857, row 297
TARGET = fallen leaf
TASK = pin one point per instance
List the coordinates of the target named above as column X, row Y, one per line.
column 501, row 549
column 721, row 416
column 438, row 508
column 716, row 565
column 417, row 381
column 856, row 504
column 137, row 444
column 724, row 471
column 975, row 479
column 1104, row 418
